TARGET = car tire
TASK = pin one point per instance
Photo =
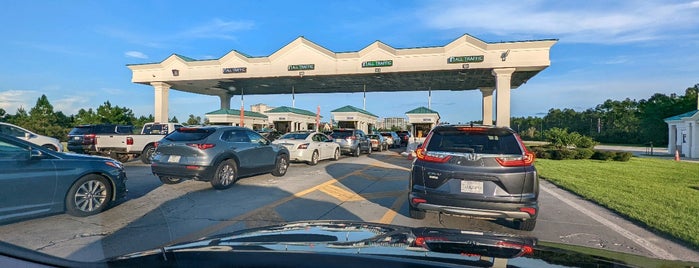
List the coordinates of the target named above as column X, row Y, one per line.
column 314, row 158
column 368, row 150
column 281, row 165
column 225, row 175
column 120, row 157
column 416, row 213
column 170, row 180
column 337, row 155
column 525, row 225
column 89, row 195
column 50, row 147
column 147, row 154
column 380, row 147
column 357, row 151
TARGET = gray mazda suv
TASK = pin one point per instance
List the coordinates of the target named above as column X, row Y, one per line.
column 477, row 171
column 219, row 155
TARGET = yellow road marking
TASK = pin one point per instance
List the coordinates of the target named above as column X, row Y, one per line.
column 341, row 194
column 393, row 210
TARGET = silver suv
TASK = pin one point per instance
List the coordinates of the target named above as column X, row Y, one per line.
column 352, row 141
column 219, row 155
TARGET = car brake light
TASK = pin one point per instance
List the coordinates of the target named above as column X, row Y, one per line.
column 530, row 211
column 201, row 146
column 424, row 155
column 524, row 249
column 522, row 161
column 303, row 146
column 89, row 139
column 421, row 241
column 129, row 141
column 416, row 200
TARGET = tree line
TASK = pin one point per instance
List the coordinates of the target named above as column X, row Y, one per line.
column 614, row 121
column 42, row 119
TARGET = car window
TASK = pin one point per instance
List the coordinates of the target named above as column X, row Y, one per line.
column 255, row 137
column 237, row 135
column 12, row 152
column 154, row 129
column 459, row 141
column 341, row 134
column 295, row 136
column 80, row 130
column 190, row 134
column 11, row 131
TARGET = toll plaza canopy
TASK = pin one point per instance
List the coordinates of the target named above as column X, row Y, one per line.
column 302, row 66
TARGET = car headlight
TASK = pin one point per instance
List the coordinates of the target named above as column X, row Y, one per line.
column 114, row 164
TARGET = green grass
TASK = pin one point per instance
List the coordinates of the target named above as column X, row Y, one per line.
column 656, row 192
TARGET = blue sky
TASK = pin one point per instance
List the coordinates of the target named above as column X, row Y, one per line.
column 76, row 52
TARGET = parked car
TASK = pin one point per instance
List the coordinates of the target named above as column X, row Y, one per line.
column 37, row 181
column 404, row 137
column 21, row 133
column 392, row 138
column 481, row 171
column 352, row 141
column 270, row 135
column 309, row 147
column 378, row 142
column 81, row 139
column 219, row 155
column 123, row 147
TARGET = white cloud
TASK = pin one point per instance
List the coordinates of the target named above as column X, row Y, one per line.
column 12, row 99
column 589, row 22
column 136, row 54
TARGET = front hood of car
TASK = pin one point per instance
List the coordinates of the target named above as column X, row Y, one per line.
column 348, row 237
column 84, row 157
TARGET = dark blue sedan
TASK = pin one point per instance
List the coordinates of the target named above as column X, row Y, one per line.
column 36, row 181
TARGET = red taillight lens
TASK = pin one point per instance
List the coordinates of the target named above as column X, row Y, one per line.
column 89, row 139
column 424, row 155
column 155, row 144
column 303, row 146
column 524, row 249
column 418, row 200
column 530, row 211
column 201, row 146
column 526, row 160
column 129, row 141
column 421, row 241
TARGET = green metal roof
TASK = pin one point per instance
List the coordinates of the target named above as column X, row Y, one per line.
column 422, row 110
column 350, row 108
column 286, row 109
column 680, row 116
column 237, row 112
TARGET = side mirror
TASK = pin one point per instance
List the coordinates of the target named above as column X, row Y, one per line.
column 35, row 154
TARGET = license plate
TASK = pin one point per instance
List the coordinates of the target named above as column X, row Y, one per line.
column 173, row 159
column 76, row 138
column 472, row 187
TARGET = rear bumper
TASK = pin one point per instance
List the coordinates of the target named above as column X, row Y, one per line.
column 200, row 173
column 481, row 209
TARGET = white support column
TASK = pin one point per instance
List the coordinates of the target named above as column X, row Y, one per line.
column 161, row 91
column 487, row 105
column 225, row 100
column 503, row 79
column 672, row 139
column 693, row 140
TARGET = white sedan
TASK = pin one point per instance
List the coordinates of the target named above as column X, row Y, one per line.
column 309, row 147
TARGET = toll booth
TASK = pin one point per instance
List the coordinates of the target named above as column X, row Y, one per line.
column 231, row 117
column 353, row 117
column 286, row 119
column 421, row 121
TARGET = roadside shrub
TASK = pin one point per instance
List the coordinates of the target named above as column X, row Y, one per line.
column 563, row 154
column 602, row 155
column 584, row 153
column 622, row 156
column 585, row 142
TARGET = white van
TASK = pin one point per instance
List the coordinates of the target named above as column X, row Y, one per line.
column 21, row 133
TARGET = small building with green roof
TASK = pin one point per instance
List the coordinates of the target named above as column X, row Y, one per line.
column 353, row 117
column 231, row 117
column 422, row 120
column 287, row 119
column 683, row 134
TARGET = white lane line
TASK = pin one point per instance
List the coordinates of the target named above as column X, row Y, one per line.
column 657, row 251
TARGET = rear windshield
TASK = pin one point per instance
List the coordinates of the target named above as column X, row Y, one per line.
column 386, row 134
column 101, row 129
column 295, row 136
column 341, row 134
column 155, row 129
column 190, row 134
column 372, row 136
column 80, row 130
column 482, row 142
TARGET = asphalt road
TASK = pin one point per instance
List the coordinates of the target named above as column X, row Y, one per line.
column 367, row 188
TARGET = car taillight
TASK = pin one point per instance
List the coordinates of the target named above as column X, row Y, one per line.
column 524, row 249
column 528, row 210
column 155, row 144
column 421, row 241
column 201, row 146
column 89, row 139
column 424, row 155
column 129, row 141
column 303, row 146
column 520, row 161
